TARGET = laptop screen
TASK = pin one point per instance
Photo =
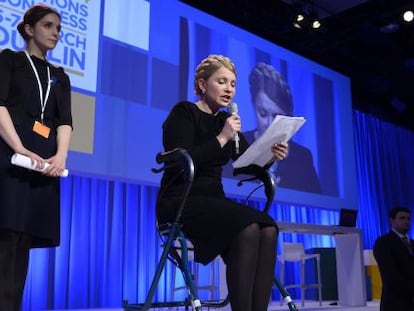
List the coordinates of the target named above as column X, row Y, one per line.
column 347, row 217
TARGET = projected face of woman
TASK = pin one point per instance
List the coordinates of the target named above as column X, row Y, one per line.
column 266, row 110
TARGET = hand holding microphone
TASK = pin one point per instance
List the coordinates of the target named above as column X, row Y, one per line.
column 233, row 110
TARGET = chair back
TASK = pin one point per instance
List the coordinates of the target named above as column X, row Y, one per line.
column 292, row 251
column 181, row 159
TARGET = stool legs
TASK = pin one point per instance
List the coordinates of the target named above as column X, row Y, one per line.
column 282, row 279
column 319, row 282
column 302, row 282
column 188, row 278
column 173, row 234
column 284, row 293
column 200, row 283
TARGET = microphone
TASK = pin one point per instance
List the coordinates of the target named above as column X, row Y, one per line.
column 232, row 109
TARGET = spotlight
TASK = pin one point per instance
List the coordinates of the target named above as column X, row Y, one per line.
column 299, row 20
column 296, row 25
column 300, row 17
column 306, row 17
column 408, row 16
column 316, row 24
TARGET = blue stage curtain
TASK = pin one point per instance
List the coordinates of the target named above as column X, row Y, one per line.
column 385, row 172
column 109, row 244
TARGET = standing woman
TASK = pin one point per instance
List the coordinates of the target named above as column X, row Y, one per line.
column 243, row 236
column 36, row 121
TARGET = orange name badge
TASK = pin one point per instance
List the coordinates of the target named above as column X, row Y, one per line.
column 41, row 129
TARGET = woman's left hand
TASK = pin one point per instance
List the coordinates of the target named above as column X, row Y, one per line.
column 280, row 151
column 56, row 166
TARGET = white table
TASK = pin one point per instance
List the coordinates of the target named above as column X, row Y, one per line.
column 349, row 261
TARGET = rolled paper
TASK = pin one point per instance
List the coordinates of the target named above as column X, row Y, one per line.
column 24, row 161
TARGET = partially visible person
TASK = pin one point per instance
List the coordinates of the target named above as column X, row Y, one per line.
column 36, row 121
column 271, row 96
column 394, row 255
column 244, row 237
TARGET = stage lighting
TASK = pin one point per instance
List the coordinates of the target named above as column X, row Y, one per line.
column 306, row 18
column 300, row 17
column 296, row 25
column 316, row 24
column 408, row 16
column 299, row 20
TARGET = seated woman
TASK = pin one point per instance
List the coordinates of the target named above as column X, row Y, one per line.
column 244, row 237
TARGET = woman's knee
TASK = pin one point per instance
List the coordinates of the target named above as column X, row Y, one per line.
column 252, row 231
column 269, row 233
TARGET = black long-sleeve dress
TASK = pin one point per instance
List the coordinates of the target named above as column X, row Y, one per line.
column 30, row 201
column 210, row 220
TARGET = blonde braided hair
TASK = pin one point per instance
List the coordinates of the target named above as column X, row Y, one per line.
column 208, row 66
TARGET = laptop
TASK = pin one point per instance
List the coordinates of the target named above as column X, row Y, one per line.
column 347, row 217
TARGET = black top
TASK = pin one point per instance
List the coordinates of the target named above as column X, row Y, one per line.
column 29, row 201
column 194, row 130
column 209, row 219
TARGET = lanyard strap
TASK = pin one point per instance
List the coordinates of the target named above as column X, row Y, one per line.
column 39, row 84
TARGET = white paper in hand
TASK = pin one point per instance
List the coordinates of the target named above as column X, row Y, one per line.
column 260, row 153
column 24, row 161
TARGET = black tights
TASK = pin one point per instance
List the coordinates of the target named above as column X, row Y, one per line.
column 250, row 262
column 14, row 259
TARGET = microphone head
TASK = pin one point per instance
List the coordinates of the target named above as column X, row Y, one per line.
column 232, row 108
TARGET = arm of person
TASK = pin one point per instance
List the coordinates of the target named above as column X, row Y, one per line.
column 181, row 130
column 279, row 151
column 64, row 128
column 8, row 131
column 9, row 134
column 390, row 267
column 58, row 161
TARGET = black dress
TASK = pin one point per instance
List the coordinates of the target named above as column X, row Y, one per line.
column 30, row 201
column 210, row 220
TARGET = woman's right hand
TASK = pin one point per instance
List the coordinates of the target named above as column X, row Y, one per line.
column 34, row 157
column 231, row 127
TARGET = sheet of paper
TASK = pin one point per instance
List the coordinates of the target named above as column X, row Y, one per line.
column 259, row 153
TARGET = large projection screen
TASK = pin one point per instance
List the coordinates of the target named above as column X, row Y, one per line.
column 130, row 61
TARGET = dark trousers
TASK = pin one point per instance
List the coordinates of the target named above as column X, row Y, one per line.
column 14, row 260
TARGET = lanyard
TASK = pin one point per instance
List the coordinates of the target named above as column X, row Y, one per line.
column 39, row 84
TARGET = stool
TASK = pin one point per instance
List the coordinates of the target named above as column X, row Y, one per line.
column 295, row 252
column 171, row 234
column 211, row 287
